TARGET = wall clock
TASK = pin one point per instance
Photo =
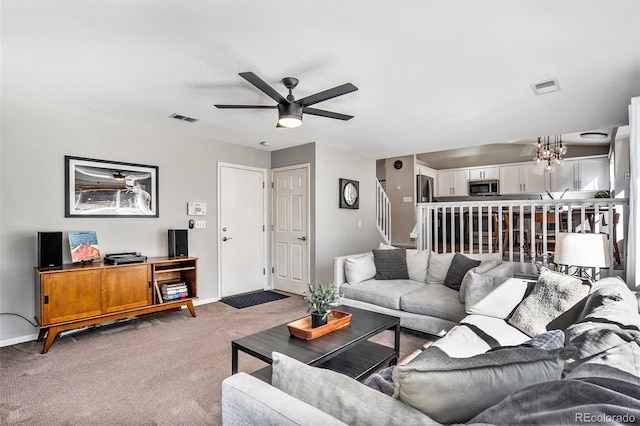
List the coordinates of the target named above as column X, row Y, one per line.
column 349, row 194
column 397, row 164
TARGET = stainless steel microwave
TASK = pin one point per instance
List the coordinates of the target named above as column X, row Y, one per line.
column 478, row 188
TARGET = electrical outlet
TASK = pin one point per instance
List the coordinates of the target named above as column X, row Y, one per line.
column 201, row 224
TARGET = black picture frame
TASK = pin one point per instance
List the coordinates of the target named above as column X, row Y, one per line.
column 103, row 188
column 346, row 202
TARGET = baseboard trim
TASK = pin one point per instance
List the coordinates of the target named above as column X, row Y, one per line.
column 16, row 340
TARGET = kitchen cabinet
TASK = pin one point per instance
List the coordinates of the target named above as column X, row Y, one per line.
column 520, row 179
column 479, row 173
column 452, row 182
column 588, row 174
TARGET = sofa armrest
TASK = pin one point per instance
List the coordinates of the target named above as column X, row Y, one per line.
column 339, row 277
column 248, row 400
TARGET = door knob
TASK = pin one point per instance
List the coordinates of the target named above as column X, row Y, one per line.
column 303, row 239
column 226, row 238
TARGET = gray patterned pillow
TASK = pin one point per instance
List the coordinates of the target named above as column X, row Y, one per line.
column 391, row 264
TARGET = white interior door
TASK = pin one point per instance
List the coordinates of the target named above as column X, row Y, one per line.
column 290, row 228
column 242, row 249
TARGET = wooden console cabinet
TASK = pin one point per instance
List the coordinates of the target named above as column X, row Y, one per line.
column 81, row 295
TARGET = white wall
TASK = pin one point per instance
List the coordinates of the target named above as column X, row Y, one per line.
column 35, row 139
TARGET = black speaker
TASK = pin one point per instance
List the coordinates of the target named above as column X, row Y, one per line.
column 49, row 250
column 178, row 243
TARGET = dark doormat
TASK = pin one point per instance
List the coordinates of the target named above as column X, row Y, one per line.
column 252, row 299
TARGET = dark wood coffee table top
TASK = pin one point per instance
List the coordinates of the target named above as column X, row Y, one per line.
column 357, row 356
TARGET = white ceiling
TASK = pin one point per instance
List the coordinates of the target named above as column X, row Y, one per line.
column 432, row 74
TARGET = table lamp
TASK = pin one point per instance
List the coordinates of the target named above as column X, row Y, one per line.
column 582, row 250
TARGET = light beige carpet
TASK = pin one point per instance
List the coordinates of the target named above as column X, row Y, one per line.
column 160, row 370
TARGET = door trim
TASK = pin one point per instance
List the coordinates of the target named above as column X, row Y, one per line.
column 307, row 167
column 265, row 206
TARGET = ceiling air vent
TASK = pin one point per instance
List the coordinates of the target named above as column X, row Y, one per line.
column 546, row 86
column 183, row 118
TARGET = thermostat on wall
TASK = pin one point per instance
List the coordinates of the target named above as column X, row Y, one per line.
column 195, row 208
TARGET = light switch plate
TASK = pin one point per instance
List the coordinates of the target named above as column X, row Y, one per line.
column 201, row 224
column 196, row 208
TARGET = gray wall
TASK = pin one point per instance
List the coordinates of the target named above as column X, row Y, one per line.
column 400, row 184
column 342, row 231
column 35, row 139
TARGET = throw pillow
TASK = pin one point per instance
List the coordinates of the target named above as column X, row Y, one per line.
column 358, row 269
column 439, row 264
column 492, row 268
column 384, row 246
column 436, row 386
column 417, row 262
column 553, row 295
column 479, row 286
column 340, row 396
column 501, row 301
column 459, row 266
column 391, row 264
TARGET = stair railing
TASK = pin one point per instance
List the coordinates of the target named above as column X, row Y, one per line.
column 383, row 213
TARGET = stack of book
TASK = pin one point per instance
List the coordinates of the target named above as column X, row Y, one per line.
column 174, row 291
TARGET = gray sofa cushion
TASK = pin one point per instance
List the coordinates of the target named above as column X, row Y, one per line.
column 391, row 264
column 340, row 396
column 434, row 300
column 385, row 293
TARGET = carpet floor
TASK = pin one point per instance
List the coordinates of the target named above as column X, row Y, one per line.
column 165, row 369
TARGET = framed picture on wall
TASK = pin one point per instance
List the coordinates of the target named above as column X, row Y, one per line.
column 101, row 188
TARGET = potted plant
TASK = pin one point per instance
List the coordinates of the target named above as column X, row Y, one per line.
column 320, row 299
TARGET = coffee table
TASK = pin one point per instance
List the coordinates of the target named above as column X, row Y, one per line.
column 345, row 350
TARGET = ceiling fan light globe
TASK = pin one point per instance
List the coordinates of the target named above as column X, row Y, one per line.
column 290, row 122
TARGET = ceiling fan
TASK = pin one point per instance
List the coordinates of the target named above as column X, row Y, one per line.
column 290, row 110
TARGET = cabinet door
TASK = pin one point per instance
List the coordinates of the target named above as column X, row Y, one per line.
column 444, row 186
column 460, row 182
column 483, row 173
column 533, row 178
column 510, row 180
column 594, row 174
column 70, row 296
column 127, row 287
column 565, row 176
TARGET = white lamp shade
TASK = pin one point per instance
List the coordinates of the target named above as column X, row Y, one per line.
column 580, row 249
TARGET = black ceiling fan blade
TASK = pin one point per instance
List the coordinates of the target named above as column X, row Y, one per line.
column 246, row 106
column 329, row 114
column 327, row 94
column 264, row 87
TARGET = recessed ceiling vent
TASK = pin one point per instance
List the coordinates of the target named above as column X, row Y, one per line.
column 546, row 86
column 183, row 118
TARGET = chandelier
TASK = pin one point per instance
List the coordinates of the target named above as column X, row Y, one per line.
column 550, row 153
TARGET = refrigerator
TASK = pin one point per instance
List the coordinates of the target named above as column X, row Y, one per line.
column 424, row 187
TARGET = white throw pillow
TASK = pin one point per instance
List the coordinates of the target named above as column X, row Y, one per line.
column 358, row 269
column 493, row 268
column 417, row 262
column 384, row 246
column 494, row 296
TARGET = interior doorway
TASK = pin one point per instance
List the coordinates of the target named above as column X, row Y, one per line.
column 242, row 236
column 291, row 260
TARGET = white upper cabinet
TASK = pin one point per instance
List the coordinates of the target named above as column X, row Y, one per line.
column 452, row 183
column 589, row 174
column 522, row 178
column 479, row 173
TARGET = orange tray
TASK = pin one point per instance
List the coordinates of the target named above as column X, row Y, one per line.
column 302, row 327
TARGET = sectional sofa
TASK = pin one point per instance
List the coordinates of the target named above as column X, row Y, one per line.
column 555, row 351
